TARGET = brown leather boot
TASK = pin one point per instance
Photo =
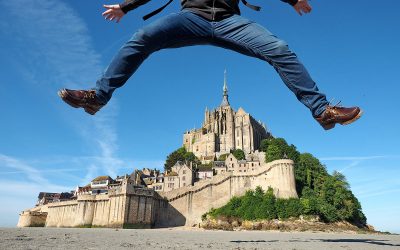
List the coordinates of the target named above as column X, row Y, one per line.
column 85, row 99
column 336, row 114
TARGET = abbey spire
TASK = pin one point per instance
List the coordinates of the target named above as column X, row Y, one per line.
column 225, row 101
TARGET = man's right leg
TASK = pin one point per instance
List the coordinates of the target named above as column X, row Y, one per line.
column 172, row 31
column 249, row 38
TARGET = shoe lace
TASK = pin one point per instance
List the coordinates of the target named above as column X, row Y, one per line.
column 89, row 95
column 337, row 105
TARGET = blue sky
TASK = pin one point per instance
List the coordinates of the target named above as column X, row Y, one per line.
column 351, row 50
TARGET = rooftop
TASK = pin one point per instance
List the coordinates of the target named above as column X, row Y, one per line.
column 102, row 178
column 204, row 168
column 172, row 173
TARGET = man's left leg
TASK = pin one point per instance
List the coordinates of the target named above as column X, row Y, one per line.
column 172, row 31
column 249, row 38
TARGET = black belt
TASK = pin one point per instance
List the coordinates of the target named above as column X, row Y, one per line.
column 253, row 7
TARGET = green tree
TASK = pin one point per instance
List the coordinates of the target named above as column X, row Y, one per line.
column 280, row 207
column 309, row 201
column 267, row 208
column 189, row 156
column 239, row 154
column 337, row 202
column 264, row 145
column 294, row 207
column 273, row 153
column 309, row 172
column 247, row 209
column 180, row 155
column 277, row 148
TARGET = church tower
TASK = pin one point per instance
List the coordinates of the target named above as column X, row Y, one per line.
column 224, row 115
column 225, row 101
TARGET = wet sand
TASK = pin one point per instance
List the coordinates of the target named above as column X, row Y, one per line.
column 183, row 238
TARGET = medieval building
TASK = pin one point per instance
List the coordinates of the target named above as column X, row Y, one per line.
column 223, row 130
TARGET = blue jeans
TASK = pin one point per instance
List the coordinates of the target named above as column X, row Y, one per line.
column 235, row 33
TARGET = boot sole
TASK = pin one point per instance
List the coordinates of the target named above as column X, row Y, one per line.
column 90, row 111
column 354, row 119
column 329, row 126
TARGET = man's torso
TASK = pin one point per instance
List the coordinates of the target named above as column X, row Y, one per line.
column 212, row 9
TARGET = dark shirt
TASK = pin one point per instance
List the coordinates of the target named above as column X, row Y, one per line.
column 213, row 10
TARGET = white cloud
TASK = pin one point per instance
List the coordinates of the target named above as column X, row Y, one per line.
column 352, row 164
column 55, row 50
column 19, row 194
column 32, row 173
column 354, row 158
column 52, row 48
column 382, row 192
column 51, row 37
column 90, row 175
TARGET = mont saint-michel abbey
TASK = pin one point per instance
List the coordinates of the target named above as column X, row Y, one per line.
column 181, row 195
column 223, row 130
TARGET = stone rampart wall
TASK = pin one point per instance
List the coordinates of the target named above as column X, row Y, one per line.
column 190, row 203
column 117, row 209
column 32, row 219
column 143, row 208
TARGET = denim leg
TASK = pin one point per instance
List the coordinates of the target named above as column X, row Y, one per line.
column 172, row 31
column 249, row 38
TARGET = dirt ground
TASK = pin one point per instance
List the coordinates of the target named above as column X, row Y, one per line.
column 186, row 238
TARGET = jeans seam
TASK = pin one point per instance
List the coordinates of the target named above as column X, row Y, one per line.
column 268, row 59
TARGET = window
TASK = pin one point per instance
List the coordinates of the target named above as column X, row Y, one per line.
column 183, row 178
column 184, row 171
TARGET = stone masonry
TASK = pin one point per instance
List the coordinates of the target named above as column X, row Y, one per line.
column 223, row 130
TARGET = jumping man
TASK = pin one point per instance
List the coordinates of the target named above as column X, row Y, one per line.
column 212, row 22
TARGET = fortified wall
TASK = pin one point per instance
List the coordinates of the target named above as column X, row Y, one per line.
column 127, row 207
column 124, row 207
column 194, row 201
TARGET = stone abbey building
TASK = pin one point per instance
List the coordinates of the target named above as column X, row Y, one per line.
column 223, row 130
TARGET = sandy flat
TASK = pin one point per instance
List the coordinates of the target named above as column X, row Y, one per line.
column 92, row 238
